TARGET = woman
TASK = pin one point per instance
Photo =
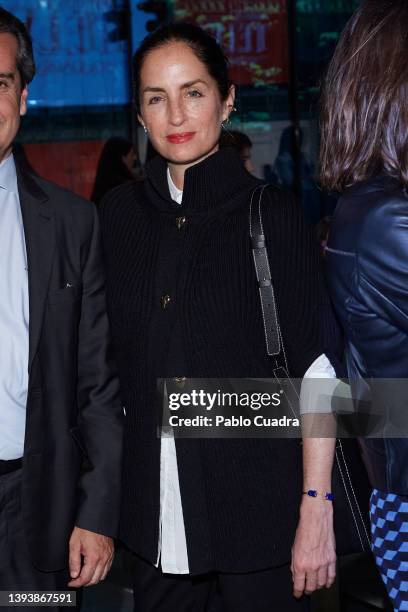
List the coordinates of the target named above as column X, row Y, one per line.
column 114, row 167
column 365, row 157
column 183, row 302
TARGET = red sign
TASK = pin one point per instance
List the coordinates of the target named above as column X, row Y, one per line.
column 69, row 164
column 254, row 35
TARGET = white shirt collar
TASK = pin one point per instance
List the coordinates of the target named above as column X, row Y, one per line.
column 8, row 175
column 175, row 192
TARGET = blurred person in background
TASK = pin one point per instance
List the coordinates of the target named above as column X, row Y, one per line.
column 184, row 302
column 283, row 172
column 59, row 404
column 239, row 141
column 116, row 166
column 364, row 156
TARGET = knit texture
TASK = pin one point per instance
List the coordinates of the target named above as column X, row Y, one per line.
column 240, row 497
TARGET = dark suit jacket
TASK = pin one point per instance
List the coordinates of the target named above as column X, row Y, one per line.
column 73, row 443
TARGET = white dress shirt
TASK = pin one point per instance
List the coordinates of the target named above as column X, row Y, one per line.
column 175, row 192
column 172, row 546
column 14, row 316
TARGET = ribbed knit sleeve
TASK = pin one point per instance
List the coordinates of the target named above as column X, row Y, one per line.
column 306, row 316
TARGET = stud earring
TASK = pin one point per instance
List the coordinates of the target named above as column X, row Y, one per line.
column 146, row 131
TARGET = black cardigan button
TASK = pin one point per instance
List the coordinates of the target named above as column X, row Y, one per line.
column 180, row 222
column 180, row 381
column 165, row 301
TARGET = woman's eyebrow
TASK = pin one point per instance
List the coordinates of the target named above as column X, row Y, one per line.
column 191, row 83
column 184, row 86
column 157, row 89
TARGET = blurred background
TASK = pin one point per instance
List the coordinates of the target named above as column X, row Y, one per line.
column 81, row 96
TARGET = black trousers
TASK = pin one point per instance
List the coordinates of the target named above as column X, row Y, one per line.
column 266, row 591
column 16, row 569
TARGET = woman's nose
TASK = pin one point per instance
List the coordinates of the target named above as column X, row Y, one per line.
column 176, row 113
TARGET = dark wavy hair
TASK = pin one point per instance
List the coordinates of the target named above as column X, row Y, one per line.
column 201, row 43
column 9, row 24
column 364, row 114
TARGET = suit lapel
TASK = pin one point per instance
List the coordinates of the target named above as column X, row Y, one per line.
column 39, row 231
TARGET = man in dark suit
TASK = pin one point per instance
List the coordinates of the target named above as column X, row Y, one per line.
column 60, row 413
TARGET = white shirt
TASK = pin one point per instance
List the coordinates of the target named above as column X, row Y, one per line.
column 172, row 546
column 14, row 317
column 175, row 192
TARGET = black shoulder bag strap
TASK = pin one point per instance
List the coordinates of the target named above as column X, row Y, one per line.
column 263, row 274
column 275, row 347
column 273, row 336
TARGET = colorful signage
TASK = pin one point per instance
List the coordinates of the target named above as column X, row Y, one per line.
column 81, row 51
column 254, row 35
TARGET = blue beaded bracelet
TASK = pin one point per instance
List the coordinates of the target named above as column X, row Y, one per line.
column 314, row 493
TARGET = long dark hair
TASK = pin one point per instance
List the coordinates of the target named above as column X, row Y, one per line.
column 201, row 43
column 364, row 116
column 112, row 171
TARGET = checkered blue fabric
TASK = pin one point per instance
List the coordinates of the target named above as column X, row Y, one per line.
column 389, row 540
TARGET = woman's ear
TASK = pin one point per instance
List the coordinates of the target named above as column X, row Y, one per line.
column 139, row 118
column 228, row 105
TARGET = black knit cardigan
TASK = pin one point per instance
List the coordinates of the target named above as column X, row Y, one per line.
column 240, row 498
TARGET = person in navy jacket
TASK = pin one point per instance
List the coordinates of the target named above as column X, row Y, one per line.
column 364, row 156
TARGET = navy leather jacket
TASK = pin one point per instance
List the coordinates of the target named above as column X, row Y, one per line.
column 367, row 258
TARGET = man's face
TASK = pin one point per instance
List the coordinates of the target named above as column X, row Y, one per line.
column 13, row 98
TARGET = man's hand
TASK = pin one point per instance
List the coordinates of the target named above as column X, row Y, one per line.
column 97, row 552
column 313, row 552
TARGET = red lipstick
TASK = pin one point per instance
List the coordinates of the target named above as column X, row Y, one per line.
column 180, row 138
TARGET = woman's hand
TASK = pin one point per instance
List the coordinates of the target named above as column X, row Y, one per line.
column 314, row 551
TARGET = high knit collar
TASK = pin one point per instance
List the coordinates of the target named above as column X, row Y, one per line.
column 208, row 185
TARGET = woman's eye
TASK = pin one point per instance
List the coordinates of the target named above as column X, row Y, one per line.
column 194, row 94
column 155, row 100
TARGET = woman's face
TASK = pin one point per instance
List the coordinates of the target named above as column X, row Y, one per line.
column 180, row 104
